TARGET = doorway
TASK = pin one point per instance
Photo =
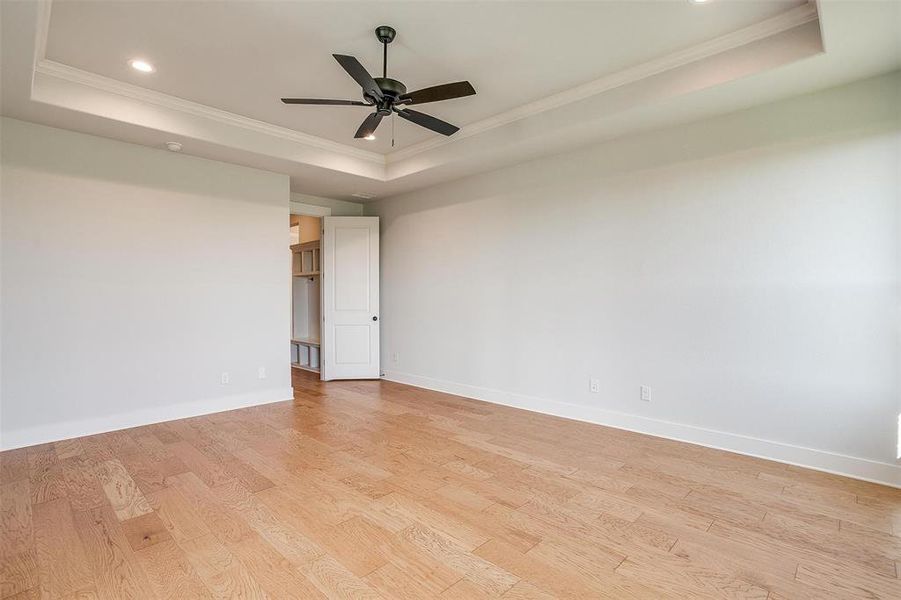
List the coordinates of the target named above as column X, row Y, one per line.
column 334, row 295
column 306, row 292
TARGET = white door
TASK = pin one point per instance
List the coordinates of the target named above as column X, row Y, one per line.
column 350, row 298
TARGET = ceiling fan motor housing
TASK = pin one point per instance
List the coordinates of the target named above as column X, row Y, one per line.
column 391, row 89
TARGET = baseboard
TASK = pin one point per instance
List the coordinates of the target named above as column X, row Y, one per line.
column 819, row 460
column 53, row 432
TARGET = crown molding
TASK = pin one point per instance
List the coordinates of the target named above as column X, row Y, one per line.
column 41, row 32
column 113, row 86
column 790, row 19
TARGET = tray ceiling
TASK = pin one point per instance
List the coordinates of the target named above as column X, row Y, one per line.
column 243, row 56
column 550, row 75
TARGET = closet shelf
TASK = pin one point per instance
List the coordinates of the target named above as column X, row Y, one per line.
column 310, row 274
column 305, row 341
column 305, row 246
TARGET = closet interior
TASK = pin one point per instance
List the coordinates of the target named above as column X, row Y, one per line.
column 306, row 319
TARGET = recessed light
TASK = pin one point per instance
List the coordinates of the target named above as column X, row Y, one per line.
column 698, row 1
column 369, row 137
column 363, row 195
column 173, row 146
column 141, row 65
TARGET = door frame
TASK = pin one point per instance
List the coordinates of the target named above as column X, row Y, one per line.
column 302, row 209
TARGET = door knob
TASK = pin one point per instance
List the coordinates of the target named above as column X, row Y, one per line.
column 375, row 318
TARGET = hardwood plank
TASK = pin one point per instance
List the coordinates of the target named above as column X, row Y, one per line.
column 523, row 590
column 335, row 581
column 270, row 565
column 121, row 490
column 82, row 485
column 146, row 473
column 30, row 594
column 799, row 534
column 210, row 472
column 359, row 545
column 411, row 511
column 176, row 514
column 63, row 563
column 489, row 577
column 396, row 582
column 15, row 517
column 367, row 489
column 464, row 588
column 679, row 577
column 287, row 535
column 19, row 573
column 45, row 474
column 472, row 509
column 145, row 530
column 558, row 580
column 13, row 465
column 170, row 573
column 68, row 448
column 835, row 580
column 222, row 573
column 117, row 572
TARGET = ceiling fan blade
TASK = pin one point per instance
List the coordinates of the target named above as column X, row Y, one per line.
column 447, row 91
column 427, row 121
column 324, row 101
column 369, row 125
column 360, row 75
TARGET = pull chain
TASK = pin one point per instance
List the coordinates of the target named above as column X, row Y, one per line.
column 392, row 130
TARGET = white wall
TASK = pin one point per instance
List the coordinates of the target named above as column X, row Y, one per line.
column 745, row 267
column 131, row 279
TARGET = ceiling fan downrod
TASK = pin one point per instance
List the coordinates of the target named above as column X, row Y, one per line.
column 386, row 35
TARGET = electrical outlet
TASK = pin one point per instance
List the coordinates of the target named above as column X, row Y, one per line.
column 646, row 393
column 594, row 385
column 261, row 373
column 224, row 379
column 394, row 357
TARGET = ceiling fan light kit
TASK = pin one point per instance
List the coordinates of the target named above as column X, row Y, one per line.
column 389, row 95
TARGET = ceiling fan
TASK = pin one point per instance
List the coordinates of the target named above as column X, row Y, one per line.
column 388, row 95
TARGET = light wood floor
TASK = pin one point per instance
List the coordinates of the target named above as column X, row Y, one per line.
column 369, row 489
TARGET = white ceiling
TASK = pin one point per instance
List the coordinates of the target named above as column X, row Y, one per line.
column 550, row 75
column 243, row 56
